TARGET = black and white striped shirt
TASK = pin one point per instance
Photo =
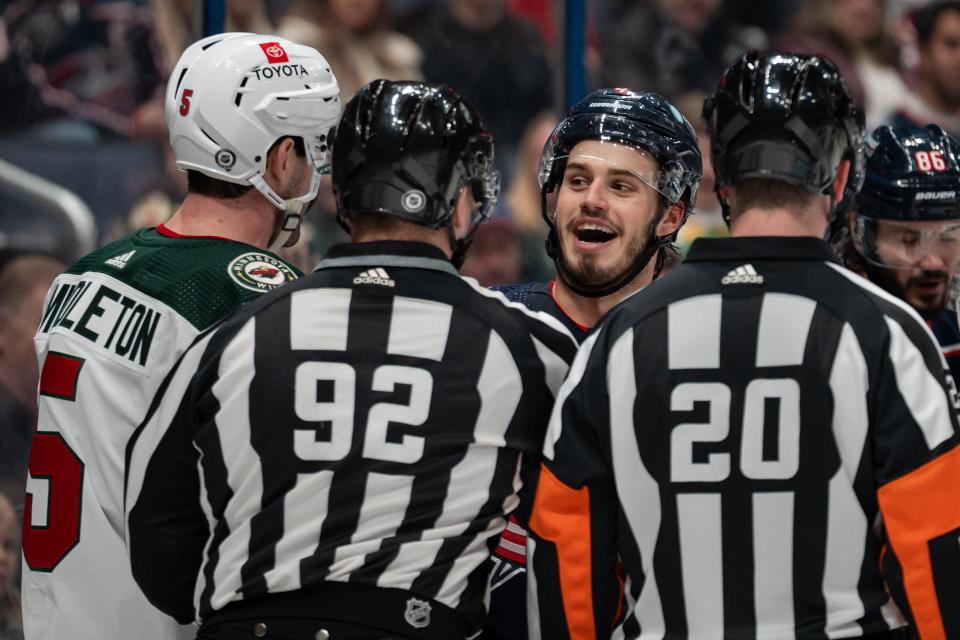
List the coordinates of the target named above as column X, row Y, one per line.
column 360, row 431
column 746, row 438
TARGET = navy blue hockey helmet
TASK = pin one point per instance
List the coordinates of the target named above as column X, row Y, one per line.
column 406, row 149
column 786, row 117
column 912, row 186
column 647, row 122
column 911, row 174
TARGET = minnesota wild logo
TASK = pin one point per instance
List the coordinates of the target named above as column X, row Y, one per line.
column 260, row 272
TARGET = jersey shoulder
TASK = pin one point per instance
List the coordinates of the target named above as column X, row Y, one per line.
column 202, row 279
column 523, row 293
column 515, row 300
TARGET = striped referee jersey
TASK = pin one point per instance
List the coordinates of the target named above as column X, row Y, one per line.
column 345, row 450
column 759, row 445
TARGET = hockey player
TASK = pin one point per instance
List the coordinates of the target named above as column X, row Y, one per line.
column 336, row 460
column 762, row 444
column 619, row 176
column 904, row 233
column 250, row 119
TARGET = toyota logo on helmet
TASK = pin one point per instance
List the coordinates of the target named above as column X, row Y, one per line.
column 274, row 52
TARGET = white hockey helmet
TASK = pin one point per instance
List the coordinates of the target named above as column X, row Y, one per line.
column 231, row 96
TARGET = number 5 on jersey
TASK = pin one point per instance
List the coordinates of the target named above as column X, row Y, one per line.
column 51, row 518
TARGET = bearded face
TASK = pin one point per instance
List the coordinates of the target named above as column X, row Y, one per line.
column 606, row 210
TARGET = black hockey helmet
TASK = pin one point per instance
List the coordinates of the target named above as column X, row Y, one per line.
column 786, row 117
column 645, row 121
column 406, row 149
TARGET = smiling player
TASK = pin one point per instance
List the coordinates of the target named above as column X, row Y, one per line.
column 618, row 177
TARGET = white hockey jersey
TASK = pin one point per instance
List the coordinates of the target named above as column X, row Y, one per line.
column 112, row 327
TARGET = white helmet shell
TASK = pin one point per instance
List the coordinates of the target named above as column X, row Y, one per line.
column 231, row 96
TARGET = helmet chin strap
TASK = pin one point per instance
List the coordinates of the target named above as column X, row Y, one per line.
column 291, row 210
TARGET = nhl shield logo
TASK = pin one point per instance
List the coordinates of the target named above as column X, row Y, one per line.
column 417, row 614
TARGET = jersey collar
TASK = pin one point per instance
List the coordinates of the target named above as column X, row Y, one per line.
column 760, row 248
column 387, row 253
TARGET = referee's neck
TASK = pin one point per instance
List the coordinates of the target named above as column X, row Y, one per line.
column 780, row 221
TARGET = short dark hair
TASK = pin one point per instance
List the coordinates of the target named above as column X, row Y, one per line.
column 367, row 222
column 925, row 19
column 204, row 185
column 766, row 193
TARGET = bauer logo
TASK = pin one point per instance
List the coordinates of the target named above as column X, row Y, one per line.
column 936, row 195
column 259, row 272
column 274, row 52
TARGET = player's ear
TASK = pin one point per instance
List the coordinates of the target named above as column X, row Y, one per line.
column 281, row 162
column 671, row 219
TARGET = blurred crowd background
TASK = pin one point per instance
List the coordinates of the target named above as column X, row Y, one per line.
column 82, row 84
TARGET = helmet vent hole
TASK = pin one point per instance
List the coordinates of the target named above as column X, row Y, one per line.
column 257, row 159
column 179, row 80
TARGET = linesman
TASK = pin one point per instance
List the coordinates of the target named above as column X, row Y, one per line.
column 338, row 460
column 760, row 444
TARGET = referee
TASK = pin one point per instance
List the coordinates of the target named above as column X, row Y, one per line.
column 761, row 444
column 337, row 460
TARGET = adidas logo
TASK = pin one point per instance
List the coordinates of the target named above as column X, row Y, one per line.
column 375, row 276
column 743, row 275
column 121, row 260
